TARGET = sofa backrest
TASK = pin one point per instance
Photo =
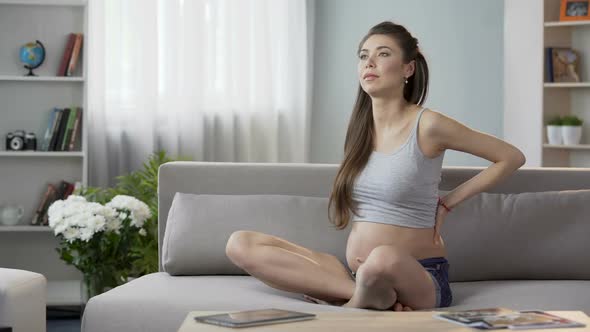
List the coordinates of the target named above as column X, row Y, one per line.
column 483, row 251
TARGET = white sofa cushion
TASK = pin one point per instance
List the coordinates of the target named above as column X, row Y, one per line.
column 530, row 235
column 199, row 226
column 490, row 236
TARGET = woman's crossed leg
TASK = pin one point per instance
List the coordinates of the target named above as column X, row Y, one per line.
column 287, row 266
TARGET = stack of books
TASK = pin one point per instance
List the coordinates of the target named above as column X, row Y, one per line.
column 63, row 130
column 52, row 194
column 70, row 56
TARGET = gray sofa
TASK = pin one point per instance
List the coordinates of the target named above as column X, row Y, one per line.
column 523, row 244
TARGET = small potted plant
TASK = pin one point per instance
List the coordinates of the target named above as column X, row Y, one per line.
column 571, row 129
column 554, row 135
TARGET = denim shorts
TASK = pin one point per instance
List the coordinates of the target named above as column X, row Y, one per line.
column 438, row 267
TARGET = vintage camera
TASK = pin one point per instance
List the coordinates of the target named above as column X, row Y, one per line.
column 18, row 140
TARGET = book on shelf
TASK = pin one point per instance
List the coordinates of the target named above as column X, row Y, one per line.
column 52, row 194
column 504, row 318
column 75, row 55
column 71, row 54
column 45, row 201
column 562, row 64
column 65, row 58
column 548, row 64
column 49, row 130
column 63, row 130
column 75, row 130
column 68, row 130
column 56, row 128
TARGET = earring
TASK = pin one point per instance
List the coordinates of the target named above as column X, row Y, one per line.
column 406, row 80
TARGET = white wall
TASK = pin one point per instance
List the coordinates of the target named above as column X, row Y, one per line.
column 463, row 44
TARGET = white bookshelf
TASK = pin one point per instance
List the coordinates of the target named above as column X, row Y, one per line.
column 27, row 103
column 530, row 101
column 566, row 98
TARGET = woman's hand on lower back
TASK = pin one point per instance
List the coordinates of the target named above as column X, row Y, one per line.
column 441, row 213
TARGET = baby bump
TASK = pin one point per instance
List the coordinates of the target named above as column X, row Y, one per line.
column 365, row 236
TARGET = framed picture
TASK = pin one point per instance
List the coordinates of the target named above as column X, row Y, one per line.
column 565, row 64
column 574, row 10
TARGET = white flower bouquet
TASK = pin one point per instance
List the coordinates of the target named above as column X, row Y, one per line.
column 98, row 239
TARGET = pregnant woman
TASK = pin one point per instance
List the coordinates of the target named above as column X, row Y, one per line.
column 387, row 186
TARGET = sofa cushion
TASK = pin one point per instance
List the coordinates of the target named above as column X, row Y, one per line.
column 199, row 226
column 490, row 236
column 160, row 302
column 533, row 235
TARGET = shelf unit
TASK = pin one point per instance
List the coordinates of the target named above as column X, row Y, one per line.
column 41, row 154
column 563, row 146
column 566, row 98
column 563, row 24
column 25, row 228
column 26, row 104
column 567, row 85
column 41, row 78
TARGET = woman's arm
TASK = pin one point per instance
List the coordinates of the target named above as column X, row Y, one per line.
column 451, row 134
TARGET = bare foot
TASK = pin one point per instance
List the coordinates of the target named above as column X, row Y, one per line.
column 378, row 296
column 400, row 307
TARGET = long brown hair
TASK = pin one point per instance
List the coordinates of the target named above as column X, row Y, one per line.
column 358, row 143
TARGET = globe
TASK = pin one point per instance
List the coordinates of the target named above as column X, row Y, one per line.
column 32, row 55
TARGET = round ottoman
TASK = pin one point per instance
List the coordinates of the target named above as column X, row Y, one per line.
column 23, row 297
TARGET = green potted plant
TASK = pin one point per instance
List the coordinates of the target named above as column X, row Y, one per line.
column 571, row 129
column 142, row 252
column 143, row 185
column 554, row 130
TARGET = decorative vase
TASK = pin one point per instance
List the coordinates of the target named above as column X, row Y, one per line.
column 11, row 215
column 554, row 135
column 90, row 288
column 571, row 134
column 93, row 285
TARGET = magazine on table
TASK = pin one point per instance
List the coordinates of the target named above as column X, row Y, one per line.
column 502, row 318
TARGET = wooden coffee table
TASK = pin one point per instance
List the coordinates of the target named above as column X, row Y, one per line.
column 367, row 321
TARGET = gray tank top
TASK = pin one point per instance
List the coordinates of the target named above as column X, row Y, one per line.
column 399, row 187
